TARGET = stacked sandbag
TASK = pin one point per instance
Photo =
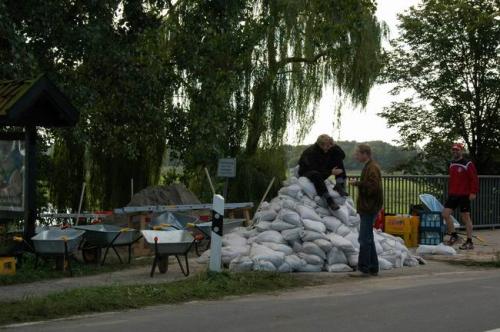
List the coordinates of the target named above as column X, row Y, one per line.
column 296, row 231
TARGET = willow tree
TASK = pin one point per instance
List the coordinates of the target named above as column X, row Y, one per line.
column 249, row 68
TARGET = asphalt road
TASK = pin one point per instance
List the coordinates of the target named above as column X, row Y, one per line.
column 451, row 301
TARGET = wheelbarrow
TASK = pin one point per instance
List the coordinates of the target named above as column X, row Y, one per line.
column 58, row 243
column 165, row 244
column 99, row 236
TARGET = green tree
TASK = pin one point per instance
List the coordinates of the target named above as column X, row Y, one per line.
column 448, row 57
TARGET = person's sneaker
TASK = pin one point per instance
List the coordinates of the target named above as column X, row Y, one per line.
column 340, row 189
column 452, row 240
column 467, row 246
column 359, row 274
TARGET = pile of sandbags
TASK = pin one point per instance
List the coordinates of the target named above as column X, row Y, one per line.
column 296, row 231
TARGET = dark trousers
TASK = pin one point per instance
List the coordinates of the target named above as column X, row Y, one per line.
column 318, row 180
column 368, row 259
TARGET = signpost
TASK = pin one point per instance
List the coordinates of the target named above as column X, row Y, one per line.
column 216, row 236
column 226, row 168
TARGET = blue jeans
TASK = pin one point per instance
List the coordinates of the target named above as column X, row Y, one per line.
column 367, row 260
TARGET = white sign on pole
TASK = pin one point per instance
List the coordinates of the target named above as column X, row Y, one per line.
column 226, row 168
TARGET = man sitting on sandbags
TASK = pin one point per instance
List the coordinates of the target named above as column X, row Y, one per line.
column 321, row 160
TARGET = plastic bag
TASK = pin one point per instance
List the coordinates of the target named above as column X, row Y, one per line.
column 315, row 226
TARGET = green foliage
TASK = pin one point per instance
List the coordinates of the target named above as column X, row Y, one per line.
column 391, row 158
column 448, row 56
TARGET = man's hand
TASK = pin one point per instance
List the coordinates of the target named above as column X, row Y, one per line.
column 353, row 182
column 472, row 197
column 337, row 171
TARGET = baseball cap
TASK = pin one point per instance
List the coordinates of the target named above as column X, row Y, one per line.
column 457, row 146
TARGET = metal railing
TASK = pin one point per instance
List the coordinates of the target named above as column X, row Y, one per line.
column 401, row 191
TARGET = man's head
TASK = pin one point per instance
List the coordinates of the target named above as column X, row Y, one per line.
column 363, row 153
column 457, row 151
column 325, row 142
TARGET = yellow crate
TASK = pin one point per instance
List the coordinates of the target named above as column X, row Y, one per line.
column 404, row 226
column 7, row 266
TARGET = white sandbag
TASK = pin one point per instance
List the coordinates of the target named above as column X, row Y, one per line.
column 264, row 266
column 354, row 220
column 338, row 268
column 233, row 240
column 341, row 243
column 306, row 201
column 313, row 249
column 332, row 192
column 322, row 212
column 276, row 207
column 411, row 261
column 263, row 226
column 230, row 253
column 351, row 210
column 440, row 249
column 293, row 191
column 378, row 247
column 352, row 260
column 306, row 212
column 307, row 187
column 270, row 236
column 312, row 235
column 288, row 204
column 384, row 264
column 241, row 264
column 336, row 256
column 297, row 247
column 353, row 238
column 343, row 230
column 262, row 253
column 293, row 234
column 265, row 215
column 315, row 226
column 290, row 217
column 342, row 214
column 310, row 268
column 265, row 206
column 252, row 232
column 350, row 201
column 204, row 258
column 339, row 200
column 278, row 247
column 325, row 245
column 285, row 268
column 332, row 223
column 295, row 261
column 280, row 225
column 311, row 259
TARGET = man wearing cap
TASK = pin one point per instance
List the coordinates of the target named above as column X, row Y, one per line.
column 463, row 186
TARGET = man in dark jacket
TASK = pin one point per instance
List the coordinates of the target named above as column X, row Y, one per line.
column 319, row 161
column 369, row 202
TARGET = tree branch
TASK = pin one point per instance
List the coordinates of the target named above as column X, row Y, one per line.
column 310, row 60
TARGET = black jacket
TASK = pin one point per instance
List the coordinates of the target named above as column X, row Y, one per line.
column 314, row 159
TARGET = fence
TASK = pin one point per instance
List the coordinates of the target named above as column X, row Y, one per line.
column 401, row 191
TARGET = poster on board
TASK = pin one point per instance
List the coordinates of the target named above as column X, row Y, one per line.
column 12, row 175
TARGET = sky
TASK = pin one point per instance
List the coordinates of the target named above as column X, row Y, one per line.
column 356, row 124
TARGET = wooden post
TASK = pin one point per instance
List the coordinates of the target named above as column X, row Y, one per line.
column 30, row 183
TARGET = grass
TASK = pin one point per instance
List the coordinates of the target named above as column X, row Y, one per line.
column 28, row 273
column 204, row 286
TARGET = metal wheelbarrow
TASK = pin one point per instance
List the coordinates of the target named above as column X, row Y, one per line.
column 58, row 243
column 172, row 243
column 101, row 236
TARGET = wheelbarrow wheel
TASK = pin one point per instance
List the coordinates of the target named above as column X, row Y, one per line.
column 163, row 264
column 91, row 255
